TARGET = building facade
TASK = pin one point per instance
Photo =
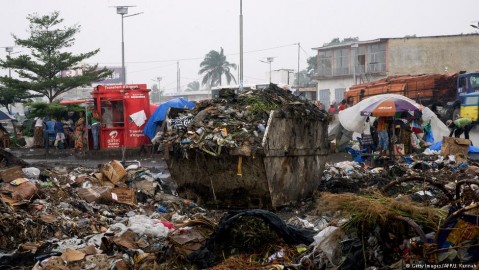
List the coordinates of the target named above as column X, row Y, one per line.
column 345, row 64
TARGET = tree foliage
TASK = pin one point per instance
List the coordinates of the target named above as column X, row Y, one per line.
column 10, row 96
column 193, row 86
column 312, row 65
column 55, row 109
column 214, row 66
column 41, row 70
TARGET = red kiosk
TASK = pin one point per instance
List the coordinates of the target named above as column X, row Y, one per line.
column 124, row 111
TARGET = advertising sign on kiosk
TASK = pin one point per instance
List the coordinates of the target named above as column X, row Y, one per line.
column 124, row 110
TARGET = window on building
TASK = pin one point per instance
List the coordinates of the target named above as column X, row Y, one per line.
column 325, row 67
column 112, row 113
column 361, row 64
column 376, row 58
column 341, row 61
column 325, row 97
column 339, row 94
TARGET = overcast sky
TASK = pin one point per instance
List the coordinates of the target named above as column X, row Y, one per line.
column 188, row 29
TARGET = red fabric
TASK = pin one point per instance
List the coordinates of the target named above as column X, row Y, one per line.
column 168, row 225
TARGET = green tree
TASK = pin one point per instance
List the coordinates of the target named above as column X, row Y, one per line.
column 41, row 70
column 214, row 66
column 54, row 109
column 193, row 86
column 312, row 65
column 10, row 96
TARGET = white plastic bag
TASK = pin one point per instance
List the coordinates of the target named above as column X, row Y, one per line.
column 31, row 172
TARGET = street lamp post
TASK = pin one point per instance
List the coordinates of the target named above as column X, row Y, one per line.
column 9, row 50
column 123, row 10
column 268, row 61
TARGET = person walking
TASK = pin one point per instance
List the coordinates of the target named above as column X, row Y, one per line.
column 459, row 126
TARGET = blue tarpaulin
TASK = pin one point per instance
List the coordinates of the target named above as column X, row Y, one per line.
column 160, row 114
column 437, row 147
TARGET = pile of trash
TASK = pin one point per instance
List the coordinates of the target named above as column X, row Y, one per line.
column 416, row 211
column 234, row 123
column 419, row 210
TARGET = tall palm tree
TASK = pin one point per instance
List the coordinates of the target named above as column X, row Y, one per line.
column 214, row 66
column 193, row 86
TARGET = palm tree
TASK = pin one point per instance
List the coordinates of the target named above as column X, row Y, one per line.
column 193, row 86
column 214, row 66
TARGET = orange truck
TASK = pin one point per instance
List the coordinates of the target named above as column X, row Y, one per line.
column 440, row 92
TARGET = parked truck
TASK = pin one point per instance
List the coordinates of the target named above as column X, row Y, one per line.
column 441, row 92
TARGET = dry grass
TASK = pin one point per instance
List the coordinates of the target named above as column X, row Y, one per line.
column 378, row 209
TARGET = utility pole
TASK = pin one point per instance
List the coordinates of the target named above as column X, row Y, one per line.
column 241, row 48
column 299, row 47
column 178, row 76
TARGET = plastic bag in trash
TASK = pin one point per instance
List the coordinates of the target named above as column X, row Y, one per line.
column 31, row 172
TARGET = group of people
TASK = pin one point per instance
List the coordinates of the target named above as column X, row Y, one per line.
column 332, row 108
column 399, row 136
column 67, row 133
column 411, row 135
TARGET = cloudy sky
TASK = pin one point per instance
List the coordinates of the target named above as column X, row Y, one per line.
column 186, row 30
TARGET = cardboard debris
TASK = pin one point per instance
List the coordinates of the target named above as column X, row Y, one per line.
column 10, row 174
column 130, row 240
column 25, row 191
column 124, row 195
column 457, row 147
column 95, row 194
column 48, row 218
column 89, row 250
column 114, row 171
column 99, row 176
column 71, row 255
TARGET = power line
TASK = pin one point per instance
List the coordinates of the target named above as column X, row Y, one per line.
column 158, row 67
column 200, row 58
column 307, row 54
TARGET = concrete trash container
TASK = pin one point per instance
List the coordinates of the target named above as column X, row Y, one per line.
column 285, row 166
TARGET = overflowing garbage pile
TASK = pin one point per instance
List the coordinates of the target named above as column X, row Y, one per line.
column 420, row 210
column 235, row 124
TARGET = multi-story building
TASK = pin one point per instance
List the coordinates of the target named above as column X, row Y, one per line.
column 348, row 63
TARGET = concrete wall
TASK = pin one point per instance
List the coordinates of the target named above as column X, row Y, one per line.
column 433, row 54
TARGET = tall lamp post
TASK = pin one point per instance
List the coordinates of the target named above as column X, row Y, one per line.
column 123, row 10
column 9, row 50
column 268, row 61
